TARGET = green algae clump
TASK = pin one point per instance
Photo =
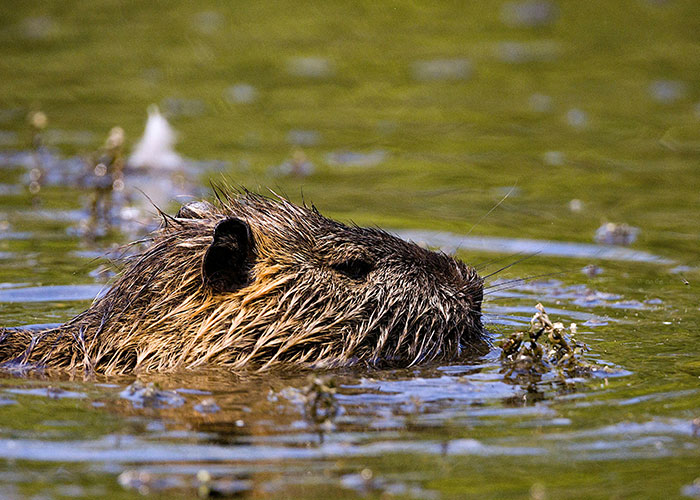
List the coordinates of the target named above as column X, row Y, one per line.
column 547, row 350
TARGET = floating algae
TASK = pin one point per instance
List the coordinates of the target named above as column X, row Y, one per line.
column 321, row 405
column 547, row 351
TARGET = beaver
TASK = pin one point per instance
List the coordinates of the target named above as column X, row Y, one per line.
column 248, row 280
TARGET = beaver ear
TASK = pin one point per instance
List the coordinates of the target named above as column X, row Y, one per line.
column 225, row 264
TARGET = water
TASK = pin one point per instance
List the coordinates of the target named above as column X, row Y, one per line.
column 491, row 130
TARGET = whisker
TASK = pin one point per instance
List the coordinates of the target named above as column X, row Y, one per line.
column 166, row 218
column 503, row 316
column 496, row 299
column 512, row 283
column 512, row 264
column 492, row 208
column 482, row 265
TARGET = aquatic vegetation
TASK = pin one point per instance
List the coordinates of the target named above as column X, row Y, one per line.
column 321, row 405
column 591, row 107
column 546, row 349
column 104, row 177
column 149, row 395
column 298, row 165
column 207, row 405
column 37, row 123
column 612, row 233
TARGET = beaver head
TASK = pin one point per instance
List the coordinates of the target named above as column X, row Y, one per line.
column 255, row 281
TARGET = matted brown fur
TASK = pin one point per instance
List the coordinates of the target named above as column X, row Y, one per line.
column 252, row 281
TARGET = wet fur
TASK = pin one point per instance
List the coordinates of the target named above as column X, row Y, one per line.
column 252, row 281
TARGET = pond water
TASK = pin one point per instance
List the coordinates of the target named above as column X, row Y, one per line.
column 507, row 132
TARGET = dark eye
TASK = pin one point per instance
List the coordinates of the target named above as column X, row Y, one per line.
column 356, row 269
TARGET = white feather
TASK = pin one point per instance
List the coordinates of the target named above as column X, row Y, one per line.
column 155, row 149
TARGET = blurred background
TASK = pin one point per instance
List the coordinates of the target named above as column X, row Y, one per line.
column 401, row 114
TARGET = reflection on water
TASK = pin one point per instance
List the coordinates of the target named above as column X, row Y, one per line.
column 509, row 133
column 450, row 243
column 231, row 425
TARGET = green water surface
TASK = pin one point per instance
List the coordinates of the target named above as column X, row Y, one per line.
column 581, row 112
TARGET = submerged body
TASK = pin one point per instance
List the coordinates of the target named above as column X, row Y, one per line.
column 252, row 282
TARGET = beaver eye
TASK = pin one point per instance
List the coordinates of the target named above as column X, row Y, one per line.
column 356, row 269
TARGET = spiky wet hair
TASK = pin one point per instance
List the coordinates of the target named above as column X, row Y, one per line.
column 252, row 281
